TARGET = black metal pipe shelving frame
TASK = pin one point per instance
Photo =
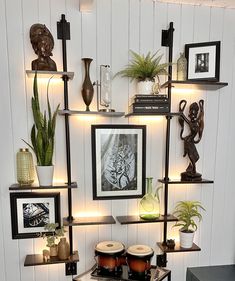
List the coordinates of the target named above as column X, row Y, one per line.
column 63, row 33
column 167, row 41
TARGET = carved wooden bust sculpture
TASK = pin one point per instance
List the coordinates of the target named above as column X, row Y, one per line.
column 43, row 44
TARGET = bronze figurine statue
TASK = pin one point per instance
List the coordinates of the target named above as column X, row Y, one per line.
column 196, row 125
column 43, row 44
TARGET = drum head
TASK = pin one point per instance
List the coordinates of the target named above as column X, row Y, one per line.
column 109, row 247
column 140, row 250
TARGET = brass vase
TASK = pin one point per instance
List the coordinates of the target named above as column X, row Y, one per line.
column 87, row 87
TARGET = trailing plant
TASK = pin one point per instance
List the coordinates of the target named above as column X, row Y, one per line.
column 186, row 212
column 54, row 233
column 43, row 130
column 144, row 68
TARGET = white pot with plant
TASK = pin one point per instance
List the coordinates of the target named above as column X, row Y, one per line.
column 42, row 137
column 145, row 70
column 187, row 212
column 52, row 234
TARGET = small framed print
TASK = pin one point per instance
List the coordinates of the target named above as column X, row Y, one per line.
column 31, row 211
column 203, row 61
column 118, row 161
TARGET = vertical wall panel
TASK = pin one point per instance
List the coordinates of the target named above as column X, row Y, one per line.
column 222, row 177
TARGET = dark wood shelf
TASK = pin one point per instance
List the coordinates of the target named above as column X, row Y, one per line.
column 203, row 181
column 54, row 186
column 196, row 85
column 48, row 74
column 178, row 249
column 137, row 219
column 83, row 221
column 102, row 113
column 153, row 114
column 32, row 260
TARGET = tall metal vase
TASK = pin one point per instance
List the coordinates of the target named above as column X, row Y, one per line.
column 87, row 87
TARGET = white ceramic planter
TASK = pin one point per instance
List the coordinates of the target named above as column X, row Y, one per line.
column 45, row 175
column 145, row 87
column 186, row 239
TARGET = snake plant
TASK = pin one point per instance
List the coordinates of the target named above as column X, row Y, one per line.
column 43, row 130
column 186, row 211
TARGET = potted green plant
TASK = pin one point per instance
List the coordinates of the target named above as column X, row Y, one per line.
column 187, row 212
column 51, row 235
column 42, row 136
column 145, row 69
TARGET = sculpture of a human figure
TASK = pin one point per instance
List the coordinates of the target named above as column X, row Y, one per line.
column 196, row 125
column 43, row 43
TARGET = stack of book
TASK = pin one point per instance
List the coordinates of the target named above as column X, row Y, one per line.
column 149, row 104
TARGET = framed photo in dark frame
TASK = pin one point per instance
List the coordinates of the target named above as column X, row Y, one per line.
column 118, row 161
column 203, row 61
column 31, row 211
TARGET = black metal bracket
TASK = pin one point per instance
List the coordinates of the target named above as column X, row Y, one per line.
column 63, row 28
column 167, row 36
column 71, row 268
column 161, row 260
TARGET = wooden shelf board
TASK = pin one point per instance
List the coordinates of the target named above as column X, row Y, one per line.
column 137, row 219
column 48, row 74
column 29, row 187
column 77, row 112
column 197, row 85
column 83, row 221
column 203, row 181
column 153, row 114
column 177, row 248
column 32, row 260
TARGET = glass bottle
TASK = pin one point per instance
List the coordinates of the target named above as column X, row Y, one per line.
column 149, row 206
column 24, row 167
column 182, row 68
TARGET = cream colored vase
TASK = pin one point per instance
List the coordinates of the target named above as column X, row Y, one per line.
column 186, row 239
column 54, row 251
column 45, row 175
column 63, row 249
column 145, row 87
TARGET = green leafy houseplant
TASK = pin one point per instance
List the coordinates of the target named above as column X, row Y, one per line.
column 54, row 233
column 144, row 68
column 186, row 212
column 43, row 130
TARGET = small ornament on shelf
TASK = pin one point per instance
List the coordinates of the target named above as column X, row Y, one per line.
column 182, row 68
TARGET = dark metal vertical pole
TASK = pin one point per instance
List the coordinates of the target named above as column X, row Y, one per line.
column 64, row 34
column 169, row 43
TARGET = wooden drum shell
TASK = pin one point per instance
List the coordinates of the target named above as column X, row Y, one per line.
column 109, row 256
column 139, row 264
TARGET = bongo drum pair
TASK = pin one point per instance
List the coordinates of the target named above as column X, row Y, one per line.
column 111, row 255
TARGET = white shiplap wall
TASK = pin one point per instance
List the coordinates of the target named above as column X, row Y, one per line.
column 106, row 35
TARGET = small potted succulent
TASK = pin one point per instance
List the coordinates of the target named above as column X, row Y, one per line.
column 42, row 137
column 145, row 69
column 51, row 235
column 187, row 212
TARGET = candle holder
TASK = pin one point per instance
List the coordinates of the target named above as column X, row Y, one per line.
column 104, row 89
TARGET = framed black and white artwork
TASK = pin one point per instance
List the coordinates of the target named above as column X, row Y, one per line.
column 203, row 61
column 118, row 161
column 31, row 211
